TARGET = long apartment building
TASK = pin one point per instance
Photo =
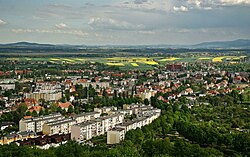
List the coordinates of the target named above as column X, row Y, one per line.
column 36, row 124
column 62, row 126
column 100, row 126
column 83, row 117
column 47, row 96
column 117, row 134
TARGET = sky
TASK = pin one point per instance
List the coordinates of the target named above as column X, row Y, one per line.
column 123, row 22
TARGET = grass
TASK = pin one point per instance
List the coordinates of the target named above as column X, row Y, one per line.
column 131, row 62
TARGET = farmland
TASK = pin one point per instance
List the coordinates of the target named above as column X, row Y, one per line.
column 129, row 62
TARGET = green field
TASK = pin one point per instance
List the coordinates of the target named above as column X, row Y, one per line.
column 131, row 62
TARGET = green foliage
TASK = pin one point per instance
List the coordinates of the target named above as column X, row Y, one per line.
column 146, row 102
column 70, row 109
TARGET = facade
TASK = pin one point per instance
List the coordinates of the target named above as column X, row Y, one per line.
column 46, row 96
column 62, row 126
column 89, row 129
column 125, row 112
column 107, row 110
column 115, row 136
column 7, row 86
column 83, row 117
column 93, row 84
column 36, row 124
column 7, row 139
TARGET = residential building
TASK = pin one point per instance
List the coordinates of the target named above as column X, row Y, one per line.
column 62, row 126
column 87, row 116
column 89, row 129
column 115, row 136
column 36, row 124
column 46, row 96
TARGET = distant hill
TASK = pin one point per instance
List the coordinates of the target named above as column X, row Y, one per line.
column 236, row 44
column 27, row 44
column 240, row 43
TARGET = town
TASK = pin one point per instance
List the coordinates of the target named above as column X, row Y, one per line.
column 46, row 108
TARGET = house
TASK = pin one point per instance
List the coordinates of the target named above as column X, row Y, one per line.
column 36, row 108
column 30, row 102
column 65, row 105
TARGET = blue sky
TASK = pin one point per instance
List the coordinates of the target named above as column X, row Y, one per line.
column 128, row 22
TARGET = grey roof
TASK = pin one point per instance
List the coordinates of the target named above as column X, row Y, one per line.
column 59, row 122
column 85, row 114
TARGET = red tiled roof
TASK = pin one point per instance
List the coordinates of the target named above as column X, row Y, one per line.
column 64, row 105
column 27, row 117
column 36, row 108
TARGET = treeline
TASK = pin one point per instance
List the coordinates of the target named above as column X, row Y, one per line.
column 209, row 136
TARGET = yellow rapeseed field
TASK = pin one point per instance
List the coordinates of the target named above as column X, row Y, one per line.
column 168, row 59
column 134, row 64
column 218, row 59
column 205, row 58
column 151, row 62
column 55, row 59
column 115, row 64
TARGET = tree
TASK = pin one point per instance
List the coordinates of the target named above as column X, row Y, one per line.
column 46, row 112
column 41, row 112
column 115, row 94
column 59, row 109
column 28, row 113
column 153, row 101
column 53, row 107
column 22, row 108
column 104, row 93
column 34, row 113
column 2, row 104
column 146, row 102
column 70, row 109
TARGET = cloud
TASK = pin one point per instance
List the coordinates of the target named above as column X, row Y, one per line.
column 109, row 23
column 61, row 26
column 2, row 22
column 140, row 1
column 210, row 4
column 234, row 2
column 79, row 33
column 184, row 30
column 180, row 9
column 147, row 5
column 147, row 32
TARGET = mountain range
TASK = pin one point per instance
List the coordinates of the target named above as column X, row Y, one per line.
column 235, row 44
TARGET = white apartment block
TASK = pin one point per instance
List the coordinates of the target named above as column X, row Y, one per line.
column 83, row 117
column 7, row 86
column 125, row 112
column 36, row 124
column 58, row 127
column 93, row 84
column 89, row 129
column 125, row 106
column 48, row 87
column 44, row 95
column 118, row 133
column 115, row 136
column 107, row 110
